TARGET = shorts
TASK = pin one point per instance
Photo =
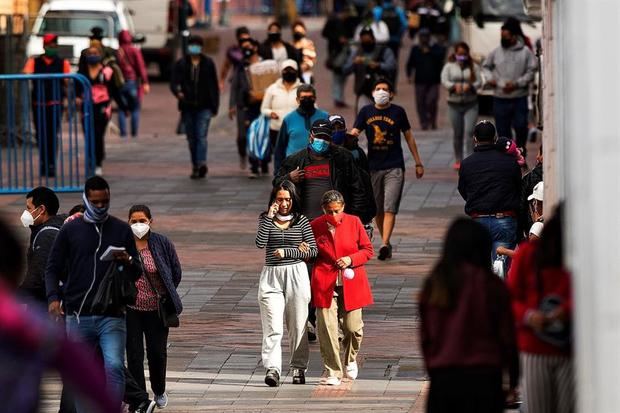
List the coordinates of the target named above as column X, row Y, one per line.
column 388, row 188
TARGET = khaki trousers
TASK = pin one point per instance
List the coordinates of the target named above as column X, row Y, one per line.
column 327, row 329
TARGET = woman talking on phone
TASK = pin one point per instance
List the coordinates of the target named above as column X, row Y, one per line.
column 284, row 286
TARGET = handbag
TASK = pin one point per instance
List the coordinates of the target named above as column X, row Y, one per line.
column 165, row 308
column 115, row 291
column 557, row 333
column 258, row 138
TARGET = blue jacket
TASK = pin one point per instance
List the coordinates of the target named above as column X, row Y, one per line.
column 377, row 13
column 167, row 263
column 77, row 249
column 294, row 134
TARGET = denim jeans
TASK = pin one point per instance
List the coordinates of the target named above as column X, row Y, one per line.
column 196, row 128
column 511, row 113
column 503, row 232
column 109, row 335
column 132, row 100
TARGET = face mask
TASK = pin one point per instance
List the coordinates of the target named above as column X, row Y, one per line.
column 94, row 214
column 194, row 49
column 27, row 218
column 368, row 46
column 506, row 43
column 461, row 58
column 335, row 220
column 289, row 77
column 339, row 136
column 274, row 37
column 381, row 97
column 247, row 53
column 319, row 146
column 298, row 35
column 51, row 51
column 93, row 60
column 140, row 229
column 307, row 104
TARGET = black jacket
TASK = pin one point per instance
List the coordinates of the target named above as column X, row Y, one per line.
column 427, row 65
column 527, row 187
column 41, row 241
column 490, row 181
column 264, row 51
column 200, row 90
column 75, row 249
column 345, row 178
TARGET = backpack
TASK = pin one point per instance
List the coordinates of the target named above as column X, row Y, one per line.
column 390, row 16
column 258, row 138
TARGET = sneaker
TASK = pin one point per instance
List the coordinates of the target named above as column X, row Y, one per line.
column 161, row 400
column 253, row 175
column 202, row 171
column 332, row 381
column 385, row 252
column 272, row 378
column 299, row 377
column 147, row 406
column 456, row 166
column 352, row 370
column 194, row 174
column 99, row 171
column 311, row 333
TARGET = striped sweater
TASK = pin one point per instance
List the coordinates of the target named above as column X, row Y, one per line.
column 271, row 237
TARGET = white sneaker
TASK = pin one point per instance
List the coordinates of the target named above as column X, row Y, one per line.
column 99, row 171
column 332, row 381
column 161, row 400
column 352, row 370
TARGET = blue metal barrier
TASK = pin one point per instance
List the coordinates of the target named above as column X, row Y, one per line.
column 48, row 138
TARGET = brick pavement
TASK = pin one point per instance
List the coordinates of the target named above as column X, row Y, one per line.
column 214, row 358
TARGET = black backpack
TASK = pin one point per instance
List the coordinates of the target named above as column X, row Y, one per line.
column 392, row 20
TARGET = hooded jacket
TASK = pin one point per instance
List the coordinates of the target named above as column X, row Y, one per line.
column 130, row 59
column 516, row 64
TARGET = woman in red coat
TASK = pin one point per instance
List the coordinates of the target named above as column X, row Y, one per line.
column 340, row 287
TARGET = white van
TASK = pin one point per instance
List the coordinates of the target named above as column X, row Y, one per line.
column 72, row 20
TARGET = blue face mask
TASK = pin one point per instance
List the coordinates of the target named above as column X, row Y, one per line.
column 94, row 214
column 93, row 59
column 319, row 146
column 339, row 136
column 194, row 49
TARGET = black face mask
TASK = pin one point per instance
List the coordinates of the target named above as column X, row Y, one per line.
column 506, row 43
column 307, row 104
column 368, row 46
column 298, row 35
column 289, row 77
column 274, row 37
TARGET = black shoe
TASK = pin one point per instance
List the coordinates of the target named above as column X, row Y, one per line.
column 147, row 406
column 272, row 378
column 202, row 171
column 195, row 174
column 385, row 252
column 311, row 333
column 299, row 376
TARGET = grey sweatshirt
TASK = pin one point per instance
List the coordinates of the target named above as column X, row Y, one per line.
column 452, row 74
column 517, row 64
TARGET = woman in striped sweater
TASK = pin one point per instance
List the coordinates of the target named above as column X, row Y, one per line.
column 284, row 286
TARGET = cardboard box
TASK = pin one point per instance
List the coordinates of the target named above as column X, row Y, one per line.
column 263, row 74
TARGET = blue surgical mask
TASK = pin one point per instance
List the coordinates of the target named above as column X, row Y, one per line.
column 319, row 146
column 339, row 136
column 93, row 59
column 194, row 49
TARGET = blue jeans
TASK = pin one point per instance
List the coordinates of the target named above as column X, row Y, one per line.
column 196, row 128
column 130, row 97
column 108, row 334
column 511, row 113
column 503, row 232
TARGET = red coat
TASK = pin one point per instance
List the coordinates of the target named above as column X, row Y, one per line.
column 350, row 240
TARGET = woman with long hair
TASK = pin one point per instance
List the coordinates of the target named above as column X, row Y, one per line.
column 467, row 333
column 461, row 77
column 284, row 286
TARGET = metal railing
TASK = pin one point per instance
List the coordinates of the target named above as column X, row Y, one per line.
column 48, row 132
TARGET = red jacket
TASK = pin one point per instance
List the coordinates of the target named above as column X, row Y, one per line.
column 350, row 240
column 525, row 296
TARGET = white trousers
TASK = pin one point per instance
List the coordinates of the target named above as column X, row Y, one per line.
column 283, row 296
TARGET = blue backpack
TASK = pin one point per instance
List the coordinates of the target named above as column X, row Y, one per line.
column 258, row 138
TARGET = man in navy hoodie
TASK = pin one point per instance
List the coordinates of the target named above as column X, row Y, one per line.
column 77, row 250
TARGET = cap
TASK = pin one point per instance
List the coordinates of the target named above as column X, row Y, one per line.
column 289, row 63
column 538, row 192
column 337, row 120
column 49, row 38
column 322, row 127
column 484, row 131
column 367, row 30
column 97, row 33
column 537, row 229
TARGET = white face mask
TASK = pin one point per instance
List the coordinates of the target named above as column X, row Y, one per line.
column 381, row 97
column 27, row 218
column 140, row 229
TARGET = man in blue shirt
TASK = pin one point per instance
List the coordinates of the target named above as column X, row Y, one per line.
column 296, row 125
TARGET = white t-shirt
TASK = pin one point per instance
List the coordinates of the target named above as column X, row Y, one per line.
column 279, row 54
